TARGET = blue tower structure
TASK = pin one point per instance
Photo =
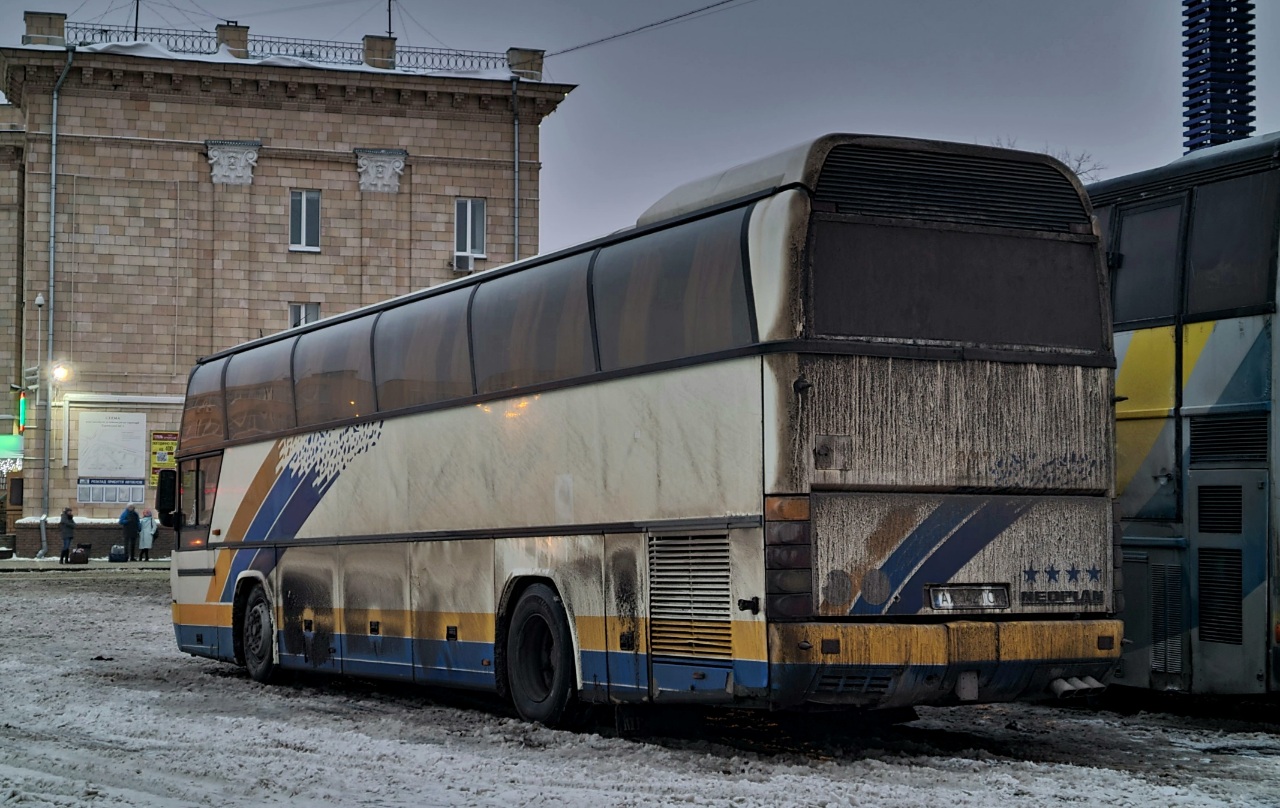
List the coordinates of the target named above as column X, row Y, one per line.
column 1218, row 71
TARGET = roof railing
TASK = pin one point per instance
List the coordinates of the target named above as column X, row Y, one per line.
column 312, row 50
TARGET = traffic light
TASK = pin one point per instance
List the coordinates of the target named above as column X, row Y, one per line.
column 22, row 412
column 31, row 377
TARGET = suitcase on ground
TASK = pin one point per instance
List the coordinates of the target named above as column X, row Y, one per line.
column 117, row 553
column 80, row 555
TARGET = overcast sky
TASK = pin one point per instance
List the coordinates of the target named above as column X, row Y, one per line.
column 671, row 104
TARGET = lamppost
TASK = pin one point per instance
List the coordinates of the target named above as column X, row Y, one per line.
column 44, row 513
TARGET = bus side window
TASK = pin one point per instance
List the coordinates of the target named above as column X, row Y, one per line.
column 202, row 418
column 333, row 373
column 532, row 327
column 1230, row 260
column 420, row 352
column 259, row 389
column 672, row 294
column 1146, row 278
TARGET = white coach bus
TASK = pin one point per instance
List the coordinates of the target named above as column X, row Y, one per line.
column 830, row 429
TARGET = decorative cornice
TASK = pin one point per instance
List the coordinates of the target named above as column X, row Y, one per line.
column 232, row 161
column 398, row 94
column 380, row 169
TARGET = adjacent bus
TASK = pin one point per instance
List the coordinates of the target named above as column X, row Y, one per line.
column 831, row 429
column 1192, row 252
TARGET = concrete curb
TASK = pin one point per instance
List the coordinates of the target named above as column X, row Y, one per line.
column 51, row 565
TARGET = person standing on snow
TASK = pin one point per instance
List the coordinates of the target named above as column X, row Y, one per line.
column 146, row 535
column 68, row 525
column 132, row 527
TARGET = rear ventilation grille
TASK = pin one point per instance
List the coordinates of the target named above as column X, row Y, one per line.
column 1221, row 589
column 958, row 188
column 850, row 681
column 689, row 605
column 1216, row 438
column 1221, row 509
column 1166, row 618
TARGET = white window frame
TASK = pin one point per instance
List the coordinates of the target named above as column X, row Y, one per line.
column 466, row 211
column 301, row 314
column 307, row 201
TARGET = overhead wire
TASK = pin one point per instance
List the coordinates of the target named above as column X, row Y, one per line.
column 643, row 27
column 424, row 28
column 305, row 7
column 180, row 10
column 360, row 16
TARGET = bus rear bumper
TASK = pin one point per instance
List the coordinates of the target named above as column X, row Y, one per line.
column 889, row 665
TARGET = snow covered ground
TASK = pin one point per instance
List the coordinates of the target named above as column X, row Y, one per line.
column 98, row 708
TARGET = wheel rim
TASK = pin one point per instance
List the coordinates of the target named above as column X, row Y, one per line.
column 537, row 662
column 255, row 630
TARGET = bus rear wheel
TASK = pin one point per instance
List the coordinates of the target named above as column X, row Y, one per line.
column 540, row 667
column 258, row 636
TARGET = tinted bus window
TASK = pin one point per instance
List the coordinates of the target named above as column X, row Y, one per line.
column 420, row 352
column 203, row 417
column 260, row 391
column 333, row 373
column 533, row 326
column 671, row 294
column 1231, row 247
column 1146, row 284
column 196, row 494
column 873, row 280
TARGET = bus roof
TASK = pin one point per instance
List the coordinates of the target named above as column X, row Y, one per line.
column 1200, row 166
column 800, row 165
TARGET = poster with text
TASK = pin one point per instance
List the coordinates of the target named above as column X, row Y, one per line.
column 113, row 459
column 163, row 447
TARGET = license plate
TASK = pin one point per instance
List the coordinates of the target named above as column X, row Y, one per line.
column 978, row 596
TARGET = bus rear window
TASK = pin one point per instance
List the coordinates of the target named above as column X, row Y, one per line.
column 918, row 283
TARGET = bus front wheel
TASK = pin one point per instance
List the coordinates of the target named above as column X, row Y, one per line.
column 258, row 635
column 540, row 667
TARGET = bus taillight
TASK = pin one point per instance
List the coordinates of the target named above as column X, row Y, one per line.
column 788, row 560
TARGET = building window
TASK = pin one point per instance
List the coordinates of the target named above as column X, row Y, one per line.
column 303, row 313
column 468, row 233
column 304, row 220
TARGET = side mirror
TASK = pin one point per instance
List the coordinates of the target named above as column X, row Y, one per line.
column 167, row 496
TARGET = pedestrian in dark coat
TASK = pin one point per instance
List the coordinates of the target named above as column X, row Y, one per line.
column 132, row 527
column 68, row 525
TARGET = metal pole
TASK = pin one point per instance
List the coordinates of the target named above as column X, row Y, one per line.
column 136, row 5
column 48, row 344
column 515, row 166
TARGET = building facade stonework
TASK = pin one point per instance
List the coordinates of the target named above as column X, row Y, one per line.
column 204, row 202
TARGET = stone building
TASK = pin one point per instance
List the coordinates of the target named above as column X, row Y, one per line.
column 208, row 193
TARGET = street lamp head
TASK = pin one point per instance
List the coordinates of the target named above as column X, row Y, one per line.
column 61, row 373
column 39, row 300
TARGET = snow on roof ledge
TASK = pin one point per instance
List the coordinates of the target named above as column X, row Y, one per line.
column 150, row 50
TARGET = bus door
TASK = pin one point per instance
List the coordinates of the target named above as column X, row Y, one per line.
column 1228, row 529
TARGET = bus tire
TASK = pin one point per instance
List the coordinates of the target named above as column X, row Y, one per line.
column 541, row 674
column 258, row 636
